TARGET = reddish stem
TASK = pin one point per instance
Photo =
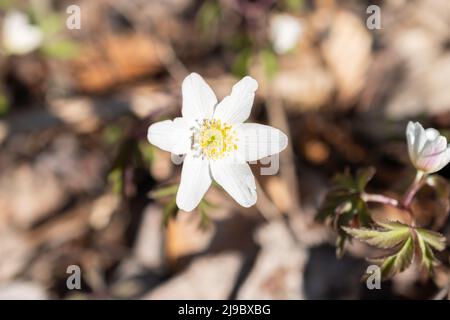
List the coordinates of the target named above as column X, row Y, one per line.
column 412, row 190
column 379, row 198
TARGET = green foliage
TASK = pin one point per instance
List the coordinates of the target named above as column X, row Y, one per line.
column 242, row 63
column 115, row 178
column 405, row 241
column 294, row 4
column 399, row 261
column 170, row 211
column 344, row 205
column 4, row 106
column 164, row 192
column 269, row 62
column 394, row 234
column 112, row 133
column 147, row 152
column 61, row 49
column 51, row 24
column 6, row 4
column 207, row 18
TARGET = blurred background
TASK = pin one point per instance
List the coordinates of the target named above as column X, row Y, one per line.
column 80, row 184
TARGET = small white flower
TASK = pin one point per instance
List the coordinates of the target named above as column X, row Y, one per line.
column 285, row 32
column 216, row 142
column 19, row 36
column 428, row 150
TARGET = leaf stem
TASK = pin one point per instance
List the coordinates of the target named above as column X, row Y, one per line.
column 379, row 198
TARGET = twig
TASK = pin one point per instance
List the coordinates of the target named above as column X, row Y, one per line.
column 277, row 118
column 265, row 206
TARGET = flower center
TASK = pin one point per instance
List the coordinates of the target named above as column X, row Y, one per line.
column 215, row 139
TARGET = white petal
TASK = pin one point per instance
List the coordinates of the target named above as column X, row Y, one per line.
column 236, row 107
column 198, row 98
column 434, row 155
column 195, row 181
column 434, row 147
column 431, row 133
column 410, row 137
column 256, row 141
column 173, row 136
column 237, row 179
column 420, row 138
column 444, row 160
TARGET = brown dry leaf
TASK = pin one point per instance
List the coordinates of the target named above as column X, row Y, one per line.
column 278, row 271
column 15, row 250
column 29, row 194
column 279, row 193
column 304, row 88
column 79, row 113
column 103, row 209
column 117, row 58
column 347, row 51
column 147, row 99
column 209, row 277
column 436, row 84
column 316, row 151
column 149, row 247
column 184, row 237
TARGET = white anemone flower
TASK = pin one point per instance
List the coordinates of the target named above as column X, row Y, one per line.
column 215, row 141
column 285, row 32
column 19, row 36
column 428, row 150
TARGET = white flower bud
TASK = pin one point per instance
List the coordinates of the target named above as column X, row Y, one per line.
column 428, row 150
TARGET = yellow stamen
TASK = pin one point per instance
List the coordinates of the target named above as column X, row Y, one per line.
column 215, row 139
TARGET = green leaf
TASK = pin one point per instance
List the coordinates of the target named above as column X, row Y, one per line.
column 269, row 62
column 164, row 192
column 63, row 49
column 115, row 178
column 406, row 240
column 340, row 245
column 5, row 4
column 51, row 24
column 383, row 239
column 363, row 176
column 427, row 256
column 294, row 4
column 4, row 106
column 170, row 211
column 399, row 261
column 434, row 239
column 112, row 133
column 147, row 151
column 205, row 221
column 344, row 181
column 344, row 204
column 242, row 63
column 363, row 212
column 208, row 16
